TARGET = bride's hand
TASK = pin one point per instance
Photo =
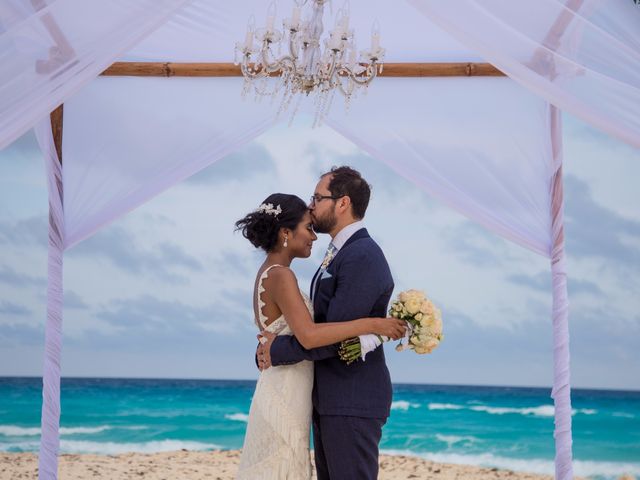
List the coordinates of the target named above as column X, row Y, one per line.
column 389, row 327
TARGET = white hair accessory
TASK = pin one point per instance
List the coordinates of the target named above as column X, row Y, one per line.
column 269, row 209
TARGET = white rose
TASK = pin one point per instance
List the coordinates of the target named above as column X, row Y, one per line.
column 432, row 343
column 418, row 316
column 422, row 349
column 417, row 294
column 426, row 322
column 437, row 325
column 412, row 305
column 426, row 307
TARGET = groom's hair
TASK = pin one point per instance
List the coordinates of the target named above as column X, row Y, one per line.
column 348, row 181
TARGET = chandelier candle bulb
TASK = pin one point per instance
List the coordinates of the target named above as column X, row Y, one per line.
column 271, row 16
column 335, row 40
column 248, row 40
column 375, row 37
column 345, row 16
column 375, row 43
column 352, row 57
column 344, row 23
column 295, row 17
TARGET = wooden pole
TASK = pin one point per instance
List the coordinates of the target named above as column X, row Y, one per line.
column 169, row 69
column 56, row 129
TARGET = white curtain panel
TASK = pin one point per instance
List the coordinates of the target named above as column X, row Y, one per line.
column 480, row 145
column 49, row 437
column 580, row 55
column 51, row 48
column 128, row 139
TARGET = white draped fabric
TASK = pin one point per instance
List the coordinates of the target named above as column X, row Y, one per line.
column 485, row 146
column 561, row 391
column 496, row 171
column 51, row 48
column 49, row 437
column 581, row 55
column 128, row 139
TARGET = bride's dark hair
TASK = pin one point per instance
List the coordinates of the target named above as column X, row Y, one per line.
column 261, row 226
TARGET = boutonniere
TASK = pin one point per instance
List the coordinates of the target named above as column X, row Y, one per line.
column 327, row 259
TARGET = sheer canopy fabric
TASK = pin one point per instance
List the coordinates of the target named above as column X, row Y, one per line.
column 207, row 31
column 51, row 48
column 121, row 147
column 128, row 139
column 580, row 55
column 50, row 434
column 481, row 145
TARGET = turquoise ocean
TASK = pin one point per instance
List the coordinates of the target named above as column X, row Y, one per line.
column 505, row 427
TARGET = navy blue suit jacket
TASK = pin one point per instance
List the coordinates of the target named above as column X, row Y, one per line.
column 356, row 284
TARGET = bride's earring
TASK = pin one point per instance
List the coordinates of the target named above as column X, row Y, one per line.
column 285, row 242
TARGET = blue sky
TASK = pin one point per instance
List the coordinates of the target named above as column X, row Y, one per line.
column 166, row 290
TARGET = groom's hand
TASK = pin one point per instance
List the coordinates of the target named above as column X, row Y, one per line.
column 264, row 349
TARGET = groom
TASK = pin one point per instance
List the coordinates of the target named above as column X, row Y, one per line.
column 350, row 402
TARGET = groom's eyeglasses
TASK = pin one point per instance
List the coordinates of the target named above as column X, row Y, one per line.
column 318, row 198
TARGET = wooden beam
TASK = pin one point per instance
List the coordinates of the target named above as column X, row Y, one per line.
column 62, row 51
column 56, row 129
column 169, row 69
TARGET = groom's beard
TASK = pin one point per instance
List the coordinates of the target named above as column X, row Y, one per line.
column 324, row 224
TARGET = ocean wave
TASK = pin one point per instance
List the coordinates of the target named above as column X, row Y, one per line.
column 539, row 411
column 113, row 448
column 74, row 430
column 239, row 417
column 583, row 468
column 403, row 405
column 15, row 431
column 623, row 415
column 451, row 440
column 444, row 406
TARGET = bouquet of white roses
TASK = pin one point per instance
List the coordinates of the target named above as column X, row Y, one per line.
column 424, row 332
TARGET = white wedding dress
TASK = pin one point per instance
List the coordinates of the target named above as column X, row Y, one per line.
column 276, row 444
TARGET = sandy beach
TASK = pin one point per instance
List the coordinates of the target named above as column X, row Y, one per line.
column 222, row 465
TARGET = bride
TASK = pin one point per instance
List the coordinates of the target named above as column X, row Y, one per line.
column 276, row 444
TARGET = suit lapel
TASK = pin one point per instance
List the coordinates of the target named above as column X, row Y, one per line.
column 315, row 282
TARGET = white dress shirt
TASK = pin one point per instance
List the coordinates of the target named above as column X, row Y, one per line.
column 346, row 233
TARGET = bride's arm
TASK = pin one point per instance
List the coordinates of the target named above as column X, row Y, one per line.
column 285, row 293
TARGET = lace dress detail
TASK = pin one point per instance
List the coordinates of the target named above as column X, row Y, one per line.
column 276, row 444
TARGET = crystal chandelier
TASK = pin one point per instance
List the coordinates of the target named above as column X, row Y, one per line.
column 312, row 65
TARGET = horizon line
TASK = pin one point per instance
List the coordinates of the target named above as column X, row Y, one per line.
column 200, row 379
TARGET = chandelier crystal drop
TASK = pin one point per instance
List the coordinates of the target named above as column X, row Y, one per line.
column 313, row 65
